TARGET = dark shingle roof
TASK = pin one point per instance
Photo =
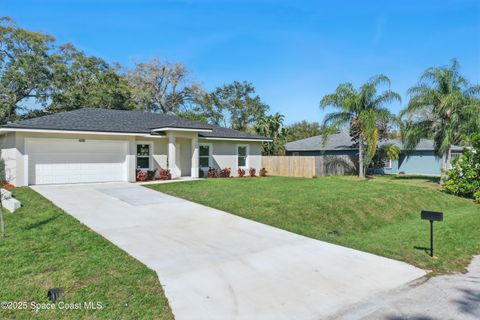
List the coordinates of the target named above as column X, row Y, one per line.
column 342, row 141
column 339, row 141
column 119, row 121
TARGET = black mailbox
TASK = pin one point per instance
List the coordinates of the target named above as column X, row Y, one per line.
column 432, row 215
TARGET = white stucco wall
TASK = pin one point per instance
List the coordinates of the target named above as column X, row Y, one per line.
column 160, row 150
column 9, row 155
column 224, row 154
column 13, row 151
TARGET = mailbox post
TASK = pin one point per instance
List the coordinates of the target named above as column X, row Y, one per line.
column 431, row 216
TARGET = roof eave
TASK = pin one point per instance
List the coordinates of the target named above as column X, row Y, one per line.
column 189, row 129
column 237, row 139
column 65, row 131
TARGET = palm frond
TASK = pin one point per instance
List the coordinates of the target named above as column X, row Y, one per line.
column 336, row 119
column 413, row 132
column 342, row 98
column 386, row 97
column 379, row 79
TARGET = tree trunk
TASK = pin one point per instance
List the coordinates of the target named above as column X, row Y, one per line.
column 446, row 165
column 361, row 168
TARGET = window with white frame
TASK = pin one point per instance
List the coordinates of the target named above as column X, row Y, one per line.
column 387, row 164
column 143, row 156
column 295, row 153
column 242, row 156
column 204, row 155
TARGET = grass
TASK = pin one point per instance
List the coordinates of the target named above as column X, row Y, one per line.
column 380, row 215
column 47, row 248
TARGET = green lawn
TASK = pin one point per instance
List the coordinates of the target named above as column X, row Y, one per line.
column 380, row 215
column 47, row 248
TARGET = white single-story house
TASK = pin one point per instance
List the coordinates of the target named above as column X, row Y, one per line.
column 101, row 145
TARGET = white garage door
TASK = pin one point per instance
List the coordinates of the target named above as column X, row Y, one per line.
column 52, row 161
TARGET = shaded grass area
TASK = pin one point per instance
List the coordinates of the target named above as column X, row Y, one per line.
column 379, row 215
column 47, row 248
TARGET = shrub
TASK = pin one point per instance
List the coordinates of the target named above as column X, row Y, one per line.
column 213, row 173
column 263, row 172
column 476, row 196
column 252, row 172
column 151, row 174
column 8, row 186
column 141, row 175
column 225, row 173
column 219, row 173
column 464, row 177
column 241, row 172
column 165, row 174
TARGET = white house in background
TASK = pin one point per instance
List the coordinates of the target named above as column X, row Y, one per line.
column 101, row 145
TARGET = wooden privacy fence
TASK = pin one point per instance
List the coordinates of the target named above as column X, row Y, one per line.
column 309, row 166
column 289, row 166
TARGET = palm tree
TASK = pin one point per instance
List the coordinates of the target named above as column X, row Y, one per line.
column 364, row 111
column 271, row 126
column 443, row 106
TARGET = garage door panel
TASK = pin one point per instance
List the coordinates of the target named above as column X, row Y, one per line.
column 70, row 161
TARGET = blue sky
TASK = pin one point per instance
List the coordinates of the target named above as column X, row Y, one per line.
column 294, row 52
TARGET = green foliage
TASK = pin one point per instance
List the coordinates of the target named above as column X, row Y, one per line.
column 79, row 81
column 234, row 105
column 34, row 70
column 190, row 115
column 391, row 151
column 364, row 111
column 443, row 107
column 271, row 126
column 301, row 130
column 476, row 196
column 385, row 152
column 25, row 68
column 464, row 177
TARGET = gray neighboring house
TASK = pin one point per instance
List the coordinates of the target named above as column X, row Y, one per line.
column 422, row 160
column 101, row 145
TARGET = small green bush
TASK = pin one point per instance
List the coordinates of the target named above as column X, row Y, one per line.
column 464, row 177
column 476, row 196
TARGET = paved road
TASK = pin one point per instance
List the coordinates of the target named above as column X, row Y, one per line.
column 215, row 265
column 455, row 296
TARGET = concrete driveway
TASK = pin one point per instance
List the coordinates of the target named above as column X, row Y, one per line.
column 214, row 265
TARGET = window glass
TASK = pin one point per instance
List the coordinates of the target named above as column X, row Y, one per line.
column 204, row 162
column 242, row 156
column 143, row 150
column 242, row 151
column 242, row 161
column 387, row 163
column 143, row 156
column 143, row 163
column 204, row 153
